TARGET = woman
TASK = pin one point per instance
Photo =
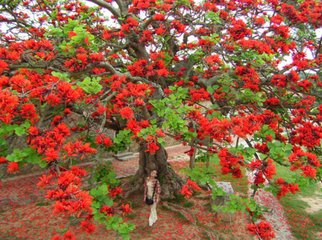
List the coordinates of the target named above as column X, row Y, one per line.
column 152, row 191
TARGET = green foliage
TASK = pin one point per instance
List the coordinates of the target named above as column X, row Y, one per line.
column 214, row 17
column 61, row 75
column 26, row 155
column 279, row 151
column 105, row 175
column 171, row 109
column 246, row 152
column 121, row 141
column 248, row 96
column 264, row 132
column 214, row 38
column 201, row 174
column 82, row 36
column 91, row 85
column 19, row 130
column 248, row 205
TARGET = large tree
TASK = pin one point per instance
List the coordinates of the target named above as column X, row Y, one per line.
column 234, row 80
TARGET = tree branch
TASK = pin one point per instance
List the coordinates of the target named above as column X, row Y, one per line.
column 103, row 4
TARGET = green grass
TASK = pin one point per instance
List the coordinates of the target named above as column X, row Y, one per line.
column 303, row 225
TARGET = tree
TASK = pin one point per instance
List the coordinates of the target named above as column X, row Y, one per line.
column 210, row 74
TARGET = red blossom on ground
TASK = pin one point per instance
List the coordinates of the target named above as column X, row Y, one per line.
column 263, row 229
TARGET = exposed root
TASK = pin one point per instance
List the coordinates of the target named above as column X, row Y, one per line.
column 190, row 217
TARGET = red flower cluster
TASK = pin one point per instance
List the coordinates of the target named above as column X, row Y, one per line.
column 230, row 163
column 239, row 30
column 102, row 139
column 152, row 147
column 263, row 229
column 308, row 134
column 50, row 142
column 246, row 125
column 260, row 46
column 115, row 191
column 69, row 196
column 141, row 68
column 3, row 66
column 285, row 188
column 12, row 167
column 109, row 211
column 28, row 111
column 67, row 236
column 8, row 104
column 249, row 76
column 78, row 149
column 188, row 188
column 87, row 226
column 125, row 208
column 127, row 113
column 215, row 128
column 136, row 126
column 306, row 161
column 199, row 94
column 264, row 169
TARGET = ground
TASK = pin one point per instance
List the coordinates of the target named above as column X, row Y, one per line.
column 25, row 214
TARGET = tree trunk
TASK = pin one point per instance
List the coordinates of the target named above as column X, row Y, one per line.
column 170, row 182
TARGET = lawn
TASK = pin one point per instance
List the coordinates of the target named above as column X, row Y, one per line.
column 305, row 224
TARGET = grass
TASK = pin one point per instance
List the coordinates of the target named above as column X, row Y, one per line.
column 303, row 225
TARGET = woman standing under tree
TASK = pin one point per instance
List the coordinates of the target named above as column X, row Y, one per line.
column 152, row 195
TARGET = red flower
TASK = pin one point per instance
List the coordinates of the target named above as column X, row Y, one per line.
column 152, row 148
column 127, row 113
column 3, row 160
column 309, row 171
column 69, row 236
column 77, row 171
column 115, row 191
column 104, row 140
column 262, row 229
column 44, row 180
column 28, row 111
column 3, row 66
column 8, row 104
column 107, row 210
column 193, row 185
column 186, row 191
column 72, row 34
column 12, row 167
column 126, row 208
column 158, row 17
column 239, row 30
column 88, row 226
column 33, row 130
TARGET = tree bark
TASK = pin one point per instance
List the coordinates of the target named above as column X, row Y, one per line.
column 170, row 182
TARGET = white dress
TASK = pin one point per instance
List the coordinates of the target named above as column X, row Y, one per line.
column 153, row 214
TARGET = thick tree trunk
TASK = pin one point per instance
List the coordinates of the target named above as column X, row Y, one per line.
column 170, row 182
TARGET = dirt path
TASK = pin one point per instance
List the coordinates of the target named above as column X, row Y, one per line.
column 275, row 215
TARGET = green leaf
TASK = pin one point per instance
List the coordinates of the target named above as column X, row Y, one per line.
column 214, row 17
column 61, row 75
column 91, row 85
